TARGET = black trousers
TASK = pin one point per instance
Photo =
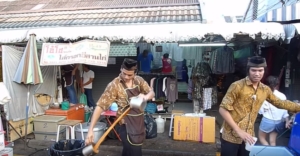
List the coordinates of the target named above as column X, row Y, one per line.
column 128, row 149
column 232, row 149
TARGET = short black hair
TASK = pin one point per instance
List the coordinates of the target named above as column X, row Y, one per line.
column 87, row 66
column 166, row 55
column 129, row 64
column 145, row 53
column 272, row 81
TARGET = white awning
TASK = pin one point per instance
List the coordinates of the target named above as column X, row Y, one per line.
column 154, row 33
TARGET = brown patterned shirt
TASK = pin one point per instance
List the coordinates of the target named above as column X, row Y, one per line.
column 115, row 92
column 243, row 103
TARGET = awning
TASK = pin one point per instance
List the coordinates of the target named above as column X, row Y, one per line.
column 290, row 31
column 265, row 6
column 297, row 27
column 154, row 33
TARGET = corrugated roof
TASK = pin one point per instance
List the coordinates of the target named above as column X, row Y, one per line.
column 27, row 5
column 138, row 15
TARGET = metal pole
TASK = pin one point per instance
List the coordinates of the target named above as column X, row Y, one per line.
column 26, row 119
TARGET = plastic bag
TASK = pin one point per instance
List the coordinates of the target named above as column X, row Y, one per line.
column 151, row 127
column 83, row 99
column 151, row 108
column 67, row 148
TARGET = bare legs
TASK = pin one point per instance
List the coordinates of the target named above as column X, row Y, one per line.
column 272, row 138
column 262, row 138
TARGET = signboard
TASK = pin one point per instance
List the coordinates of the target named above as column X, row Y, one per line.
column 89, row 52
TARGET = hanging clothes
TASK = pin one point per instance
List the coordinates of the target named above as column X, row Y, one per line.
column 164, row 86
column 202, row 79
column 172, row 89
column 190, row 89
column 222, row 61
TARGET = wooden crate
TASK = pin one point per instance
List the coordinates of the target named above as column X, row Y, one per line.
column 20, row 128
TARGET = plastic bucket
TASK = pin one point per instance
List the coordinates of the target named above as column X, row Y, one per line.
column 65, row 105
column 87, row 116
column 67, row 148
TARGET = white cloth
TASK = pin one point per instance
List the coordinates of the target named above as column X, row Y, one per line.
column 17, row 105
column 271, row 112
column 164, row 88
column 86, row 77
column 4, row 96
column 207, row 98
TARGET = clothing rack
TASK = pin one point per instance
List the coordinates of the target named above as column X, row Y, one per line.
column 173, row 75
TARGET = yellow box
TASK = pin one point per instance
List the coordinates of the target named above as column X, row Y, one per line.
column 189, row 128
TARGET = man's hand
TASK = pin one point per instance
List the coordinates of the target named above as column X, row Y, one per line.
column 82, row 90
column 89, row 138
column 143, row 96
column 246, row 137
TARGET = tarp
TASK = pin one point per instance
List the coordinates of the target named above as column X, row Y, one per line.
column 17, row 105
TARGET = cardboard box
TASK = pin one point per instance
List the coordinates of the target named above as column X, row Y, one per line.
column 189, row 128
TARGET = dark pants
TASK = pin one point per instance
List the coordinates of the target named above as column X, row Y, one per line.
column 89, row 97
column 128, row 149
column 231, row 149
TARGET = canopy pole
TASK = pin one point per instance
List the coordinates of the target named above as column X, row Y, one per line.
column 27, row 110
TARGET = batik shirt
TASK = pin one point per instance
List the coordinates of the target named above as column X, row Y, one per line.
column 115, row 92
column 243, row 102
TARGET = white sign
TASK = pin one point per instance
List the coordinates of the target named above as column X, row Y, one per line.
column 84, row 52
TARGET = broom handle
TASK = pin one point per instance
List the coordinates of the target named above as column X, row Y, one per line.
column 96, row 147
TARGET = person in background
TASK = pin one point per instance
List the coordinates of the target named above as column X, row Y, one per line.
column 167, row 64
column 239, row 108
column 145, row 59
column 121, row 90
column 271, row 122
column 69, row 76
column 87, row 85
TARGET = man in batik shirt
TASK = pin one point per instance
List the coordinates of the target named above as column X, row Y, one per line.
column 240, row 107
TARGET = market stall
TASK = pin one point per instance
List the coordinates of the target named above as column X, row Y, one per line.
column 132, row 38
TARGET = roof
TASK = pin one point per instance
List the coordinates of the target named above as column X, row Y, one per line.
column 40, row 5
column 178, row 11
